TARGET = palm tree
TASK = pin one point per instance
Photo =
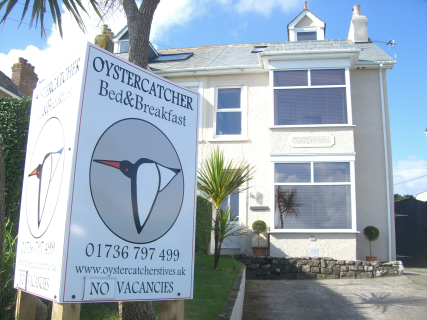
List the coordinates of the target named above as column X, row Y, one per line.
column 226, row 228
column 287, row 202
column 219, row 180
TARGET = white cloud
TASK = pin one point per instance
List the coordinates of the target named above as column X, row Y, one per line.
column 266, row 7
column 57, row 51
column 409, row 169
column 169, row 14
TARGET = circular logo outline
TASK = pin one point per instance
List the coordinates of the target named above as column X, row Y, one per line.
column 90, row 181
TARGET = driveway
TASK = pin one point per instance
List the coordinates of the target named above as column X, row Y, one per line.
column 403, row 297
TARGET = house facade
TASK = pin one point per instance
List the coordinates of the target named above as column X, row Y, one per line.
column 311, row 114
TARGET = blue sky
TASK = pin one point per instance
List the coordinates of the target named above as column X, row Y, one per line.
column 189, row 23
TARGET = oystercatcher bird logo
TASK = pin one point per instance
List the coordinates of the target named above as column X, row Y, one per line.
column 136, row 181
column 44, row 177
column 143, row 195
column 45, row 173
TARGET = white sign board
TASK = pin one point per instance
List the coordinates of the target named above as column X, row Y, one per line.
column 109, row 193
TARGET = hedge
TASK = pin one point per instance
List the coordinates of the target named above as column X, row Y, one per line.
column 203, row 225
column 14, row 120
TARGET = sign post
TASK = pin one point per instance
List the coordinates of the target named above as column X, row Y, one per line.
column 109, row 193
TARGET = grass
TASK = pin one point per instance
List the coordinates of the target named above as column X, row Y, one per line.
column 211, row 289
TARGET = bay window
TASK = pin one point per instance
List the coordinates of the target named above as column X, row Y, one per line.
column 311, row 97
column 314, row 195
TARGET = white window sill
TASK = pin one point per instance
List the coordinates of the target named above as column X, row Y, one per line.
column 313, row 126
column 228, row 139
column 313, row 231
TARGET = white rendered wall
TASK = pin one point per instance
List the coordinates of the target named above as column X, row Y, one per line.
column 337, row 245
column 365, row 139
column 371, row 192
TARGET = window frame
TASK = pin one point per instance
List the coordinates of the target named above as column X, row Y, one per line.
column 241, row 215
column 309, row 86
column 120, row 42
column 243, row 110
column 350, row 158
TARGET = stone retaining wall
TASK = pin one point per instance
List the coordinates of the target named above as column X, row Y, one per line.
column 272, row 268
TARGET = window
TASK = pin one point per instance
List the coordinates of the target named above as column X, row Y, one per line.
column 258, row 49
column 310, row 97
column 123, row 46
column 228, row 111
column 166, row 57
column 313, row 195
column 233, row 203
column 305, row 36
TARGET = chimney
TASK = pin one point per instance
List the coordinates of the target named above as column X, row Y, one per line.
column 24, row 77
column 105, row 39
column 358, row 26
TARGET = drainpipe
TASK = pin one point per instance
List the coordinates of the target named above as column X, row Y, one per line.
column 386, row 163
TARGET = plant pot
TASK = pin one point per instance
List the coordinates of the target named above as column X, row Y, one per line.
column 369, row 258
column 258, row 252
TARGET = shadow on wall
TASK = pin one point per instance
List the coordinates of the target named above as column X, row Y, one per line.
column 315, row 300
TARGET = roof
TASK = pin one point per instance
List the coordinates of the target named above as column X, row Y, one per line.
column 240, row 55
column 6, row 83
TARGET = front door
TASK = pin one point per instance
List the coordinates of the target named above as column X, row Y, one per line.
column 235, row 203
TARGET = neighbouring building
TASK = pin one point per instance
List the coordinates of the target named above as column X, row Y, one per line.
column 311, row 114
column 421, row 196
column 23, row 82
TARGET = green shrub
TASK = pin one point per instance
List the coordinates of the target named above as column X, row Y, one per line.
column 203, row 225
column 372, row 233
column 14, row 119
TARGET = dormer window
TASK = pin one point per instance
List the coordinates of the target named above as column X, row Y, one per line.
column 123, row 46
column 306, row 27
column 305, row 36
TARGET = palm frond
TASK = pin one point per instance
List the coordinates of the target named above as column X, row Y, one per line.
column 219, row 179
column 287, row 202
column 39, row 9
column 226, row 228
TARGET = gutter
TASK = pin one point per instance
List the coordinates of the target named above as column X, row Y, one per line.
column 386, row 164
column 10, row 93
column 311, row 52
column 239, row 68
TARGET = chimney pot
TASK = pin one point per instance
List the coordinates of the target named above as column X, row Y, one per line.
column 356, row 10
column 104, row 29
column 305, row 5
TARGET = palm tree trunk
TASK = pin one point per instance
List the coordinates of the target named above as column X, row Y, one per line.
column 217, row 248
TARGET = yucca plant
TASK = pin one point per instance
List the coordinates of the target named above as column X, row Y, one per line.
column 287, row 202
column 217, row 180
column 226, row 228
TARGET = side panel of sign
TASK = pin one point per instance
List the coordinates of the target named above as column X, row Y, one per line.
column 133, row 210
column 46, row 181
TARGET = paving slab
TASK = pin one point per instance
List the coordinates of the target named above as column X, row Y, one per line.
column 402, row 297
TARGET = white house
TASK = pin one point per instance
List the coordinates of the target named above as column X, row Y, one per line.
column 311, row 114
